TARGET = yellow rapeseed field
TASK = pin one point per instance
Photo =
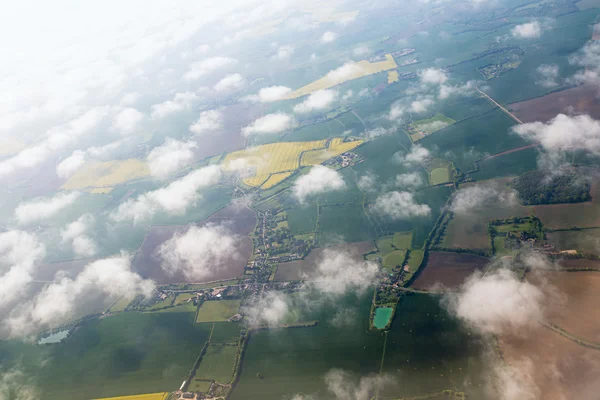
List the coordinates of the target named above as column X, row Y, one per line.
column 392, row 76
column 149, row 396
column 270, row 164
column 336, row 147
column 270, row 159
column 357, row 70
column 99, row 177
column 275, row 179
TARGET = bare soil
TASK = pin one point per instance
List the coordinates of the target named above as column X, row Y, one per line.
column 448, row 269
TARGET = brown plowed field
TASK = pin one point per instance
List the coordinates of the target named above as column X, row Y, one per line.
column 448, row 269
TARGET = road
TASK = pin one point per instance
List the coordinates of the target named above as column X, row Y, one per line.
column 502, row 108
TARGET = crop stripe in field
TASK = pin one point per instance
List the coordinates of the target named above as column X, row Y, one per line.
column 381, row 366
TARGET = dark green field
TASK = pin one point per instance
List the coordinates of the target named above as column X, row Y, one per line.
column 125, row 354
column 295, row 361
column 347, row 222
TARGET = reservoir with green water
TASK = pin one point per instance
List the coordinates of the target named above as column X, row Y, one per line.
column 382, row 317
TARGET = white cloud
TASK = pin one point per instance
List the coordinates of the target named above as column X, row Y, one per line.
column 59, row 301
column 17, row 385
column 171, row 156
column 400, row 205
column 270, row 94
column 361, row 51
column 209, row 121
column 269, row 124
column 270, row 310
column 284, row 52
column 396, row 112
column 417, row 155
column 181, row 102
column 547, row 75
column 344, row 386
column 376, row 132
column 41, row 209
column 57, row 139
column 528, row 30
column 588, row 57
column 230, row 82
column 367, row 183
column 329, row 37
column 84, row 246
column 564, row 133
column 173, row 199
column 409, row 180
column 128, row 121
column 476, row 197
column 348, row 95
column 421, row 105
column 71, row 164
column 341, row 74
column 316, row 101
column 339, row 273
column 318, row 180
column 497, row 302
column 432, row 76
column 204, row 67
column 448, row 90
column 19, row 254
column 77, row 228
column 198, row 252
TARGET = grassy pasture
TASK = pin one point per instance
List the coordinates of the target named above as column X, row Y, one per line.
column 402, row 240
column 217, row 363
column 426, row 127
column 225, row 332
column 120, row 304
column 393, row 259
column 510, row 164
column 183, row 298
column 302, row 219
column 217, row 310
column 439, row 176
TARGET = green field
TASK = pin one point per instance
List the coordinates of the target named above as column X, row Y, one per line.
column 125, row 354
column 217, row 363
column 439, row 176
column 393, row 259
column 295, row 361
column 433, row 124
column 474, row 138
column 402, row 240
column 225, row 332
column 217, row 310
column 182, row 298
column 302, row 219
column 185, row 307
column 198, row 385
column 120, row 304
column 511, row 164
column 415, row 259
column 347, row 223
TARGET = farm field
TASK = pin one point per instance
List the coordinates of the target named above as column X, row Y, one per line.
column 336, row 147
column 149, row 396
column 469, row 230
column 448, row 269
column 586, row 241
column 566, row 216
column 225, row 332
column 120, row 304
column 472, row 139
column 275, row 179
column 294, row 361
column 103, row 176
column 120, row 355
column 425, row 127
column 217, row 363
column 239, row 220
column 579, row 263
column 347, row 223
column 362, row 68
column 511, row 164
column 581, row 99
column 295, row 270
column 217, row 310
column 280, row 157
column 578, row 312
column 402, row 240
column 550, row 355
